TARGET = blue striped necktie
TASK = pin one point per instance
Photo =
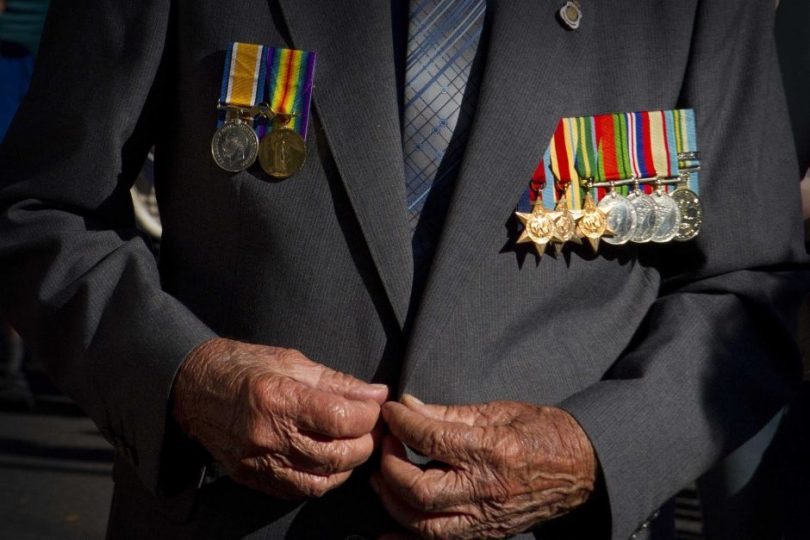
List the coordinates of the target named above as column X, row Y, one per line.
column 443, row 37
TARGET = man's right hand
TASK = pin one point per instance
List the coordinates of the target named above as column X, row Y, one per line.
column 276, row 421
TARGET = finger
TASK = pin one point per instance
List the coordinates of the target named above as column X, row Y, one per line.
column 331, row 415
column 431, row 490
column 330, row 456
column 450, row 442
column 472, row 415
column 323, row 378
column 427, row 525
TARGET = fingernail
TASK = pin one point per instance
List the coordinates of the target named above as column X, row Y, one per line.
column 379, row 386
column 408, row 398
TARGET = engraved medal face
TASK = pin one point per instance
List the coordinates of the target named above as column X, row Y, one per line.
column 621, row 218
column 691, row 213
column 667, row 217
column 235, row 146
column 540, row 228
column 592, row 223
column 645, row 216
column 564, row 227
column 282, row 153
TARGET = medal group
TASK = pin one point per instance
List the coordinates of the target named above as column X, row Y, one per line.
column 263, row 109
column 620, row 178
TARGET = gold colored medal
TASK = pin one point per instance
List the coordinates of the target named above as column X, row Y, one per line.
column 564, row 225
column 592, row 224
column 282, row 151
column 538, row 227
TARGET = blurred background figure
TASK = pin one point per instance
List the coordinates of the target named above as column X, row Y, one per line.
column 21, row 23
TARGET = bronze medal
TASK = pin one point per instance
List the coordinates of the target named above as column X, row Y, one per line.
column 592, row 225
column 282, row 152
column 538, row 227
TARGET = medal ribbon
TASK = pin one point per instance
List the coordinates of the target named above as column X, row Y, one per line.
column 243, row 78
column 613, row 147
column 289, row 85
column 686, row 141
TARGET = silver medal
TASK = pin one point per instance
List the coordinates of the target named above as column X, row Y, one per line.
column 691, row 213
column 621, row 218
column 645, row 216
column 667, row 217
column 235, row 146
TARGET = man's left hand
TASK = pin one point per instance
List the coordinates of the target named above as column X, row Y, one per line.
column 505, row 466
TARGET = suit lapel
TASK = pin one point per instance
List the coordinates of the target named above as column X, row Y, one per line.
column 355, row 98
column 531, row 64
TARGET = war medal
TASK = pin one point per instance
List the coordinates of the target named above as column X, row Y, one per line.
column 538, row 226
column 592, row 224
column 667, row 216
column 691, row 212
column 289, row 89
column 235, row 144
column 282, row 151
column 645, row 215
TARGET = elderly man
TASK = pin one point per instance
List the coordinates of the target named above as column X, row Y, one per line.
column 566, row 395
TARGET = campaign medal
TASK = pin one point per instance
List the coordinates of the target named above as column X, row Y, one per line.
column 645, row 216
column 621, row 217
column 282, row 151
column 667, row 216
column 538, row 226
column 289, row 89
column 686, row 194
column 235, row 144
column 593, row 223
column 691, row 211
column 565, row 226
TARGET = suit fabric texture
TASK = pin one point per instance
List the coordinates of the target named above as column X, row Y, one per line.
column 669, row 356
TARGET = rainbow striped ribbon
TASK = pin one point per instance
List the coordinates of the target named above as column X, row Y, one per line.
column 289, row 85
column 244, row 77
column 686, row 141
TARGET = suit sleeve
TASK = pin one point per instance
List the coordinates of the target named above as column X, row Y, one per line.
column 76, row 279
column 716, row 356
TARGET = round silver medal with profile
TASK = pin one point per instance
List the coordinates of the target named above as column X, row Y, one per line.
column 621, row 218
column 645, row 216
column 691, row 213
column 235, row 146
column 667, row 217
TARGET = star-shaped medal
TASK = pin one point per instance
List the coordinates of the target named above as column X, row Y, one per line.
column 538, row 227
column 592, row 224
column 564, row 225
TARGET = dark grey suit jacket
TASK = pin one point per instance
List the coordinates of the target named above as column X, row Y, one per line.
column 668, row 355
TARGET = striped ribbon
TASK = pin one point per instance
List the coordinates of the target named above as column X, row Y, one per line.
column 686, row 141
column 289, row 85
column 244, row 76
column 612, row 147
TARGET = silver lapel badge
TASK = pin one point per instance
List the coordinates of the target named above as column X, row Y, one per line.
column 571, row 14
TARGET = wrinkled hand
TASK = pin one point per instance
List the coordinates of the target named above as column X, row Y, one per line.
column 509, row 465
column 276, row 421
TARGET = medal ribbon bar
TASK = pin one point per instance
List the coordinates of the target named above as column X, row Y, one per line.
column 243, row 79
column 289, row 85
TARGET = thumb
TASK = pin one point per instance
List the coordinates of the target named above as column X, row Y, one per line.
column 326, row 379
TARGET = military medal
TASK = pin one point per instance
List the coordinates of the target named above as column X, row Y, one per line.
column 619, row 168
column 538, row 226
column 685, row 196
column 593, row 223
column 645, row 216
column 235, row 144
column 621, row 217
column 289, row 89
column 282, row 151
column 667, row 216
column 691, row 213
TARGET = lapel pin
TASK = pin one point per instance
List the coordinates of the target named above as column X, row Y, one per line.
column 571, row 14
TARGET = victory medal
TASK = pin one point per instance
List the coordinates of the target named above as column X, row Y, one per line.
column 282, row 151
